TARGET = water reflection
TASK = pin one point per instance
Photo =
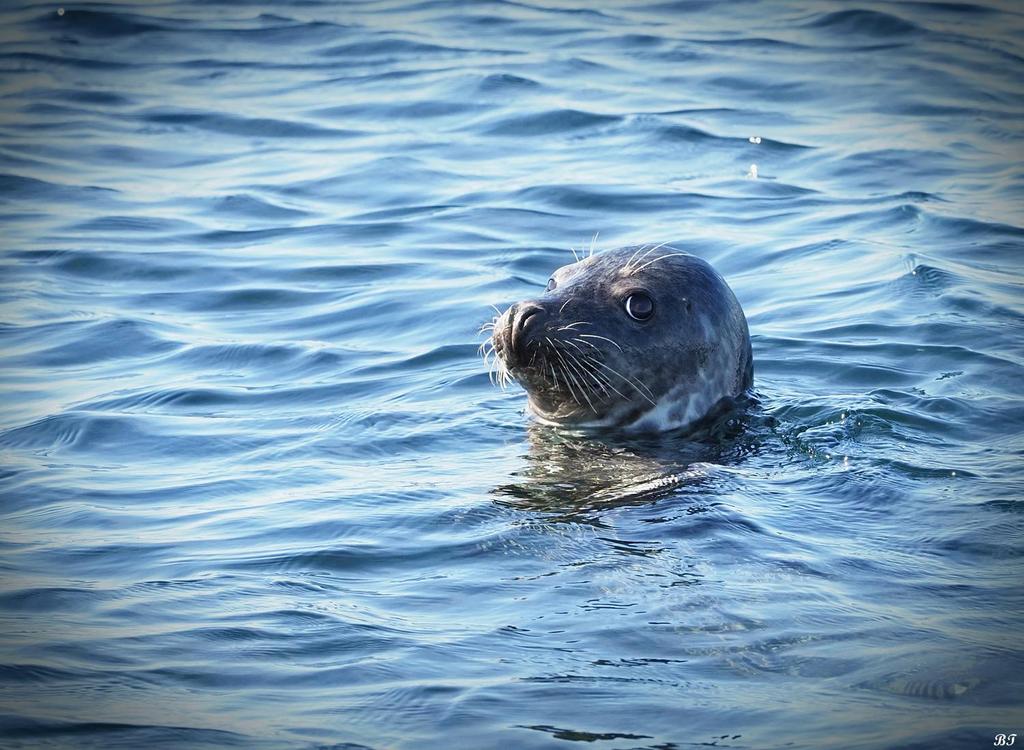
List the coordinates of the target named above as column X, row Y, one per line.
column 575, row 476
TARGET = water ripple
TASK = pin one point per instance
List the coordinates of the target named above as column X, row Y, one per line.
column 257, row 490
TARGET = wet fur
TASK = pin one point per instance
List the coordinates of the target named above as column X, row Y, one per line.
column 590, row 365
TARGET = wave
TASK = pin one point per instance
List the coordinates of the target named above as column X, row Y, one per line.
column 257, row 490
column 870, row 23
column 546, row 123
column 262, row 127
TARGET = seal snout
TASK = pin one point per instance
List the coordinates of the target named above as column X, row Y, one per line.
column 527, row 316
column 523, row 320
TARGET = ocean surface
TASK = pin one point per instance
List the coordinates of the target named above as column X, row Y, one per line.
column 257, row 491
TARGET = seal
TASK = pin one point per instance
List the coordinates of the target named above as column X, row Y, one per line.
column 641, row 339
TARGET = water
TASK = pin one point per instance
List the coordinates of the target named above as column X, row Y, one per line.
column 258, row 492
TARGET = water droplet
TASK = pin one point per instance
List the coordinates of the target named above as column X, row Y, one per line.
column 755, row 139
column 60, row 11
column 752, row 174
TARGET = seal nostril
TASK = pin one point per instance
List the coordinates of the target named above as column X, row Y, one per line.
column 526, row 315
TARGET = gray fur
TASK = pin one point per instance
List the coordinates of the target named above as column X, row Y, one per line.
column 585, row 363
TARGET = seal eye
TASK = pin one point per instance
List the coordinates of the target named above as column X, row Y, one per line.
column 639, row 306
column 551, row 285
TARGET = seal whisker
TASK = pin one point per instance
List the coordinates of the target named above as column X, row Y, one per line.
column 597, row 379
column 592, row 242
column 607, row 381
column 588, row 380
column 491, row 372
column 568, row 375
column 569, row 327
column 574, row 359
column 574, row 254
column 588, row 343
column 486, row 354
column 573, row 343
column 583, row 390
column 497, row 372
column 630, row 261
column 554, row 375
column 641, row 268
column 570, row 380
column 595, row 336
column 595, row 362
column 634, row 381
column 587, row 373
column 485, row 349
column 551, row 364
column 638, row 386
column 645, row 256
column 647, row 250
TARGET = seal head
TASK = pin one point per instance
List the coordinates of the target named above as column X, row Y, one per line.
column 642, row 339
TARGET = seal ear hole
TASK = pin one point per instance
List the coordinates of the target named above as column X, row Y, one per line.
column 639, row 306
column 551, row 285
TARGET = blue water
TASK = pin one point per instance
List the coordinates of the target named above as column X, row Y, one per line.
column 257, row 490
